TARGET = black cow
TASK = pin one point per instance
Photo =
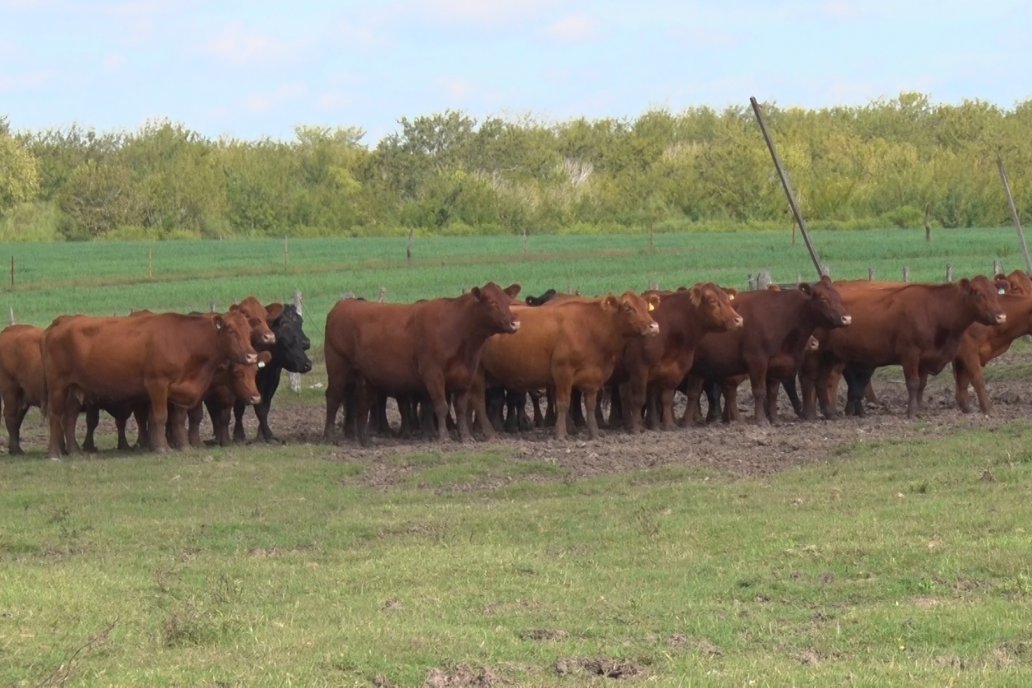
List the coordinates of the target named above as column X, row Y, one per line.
column 288, row 353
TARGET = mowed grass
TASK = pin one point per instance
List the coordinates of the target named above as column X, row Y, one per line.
column 890, row 564
column 104, row 278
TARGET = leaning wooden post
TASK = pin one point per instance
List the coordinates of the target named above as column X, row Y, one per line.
column 11, row 308
column 294, row 379
column 788, row 190
column 949, row 272
column 1014, row 214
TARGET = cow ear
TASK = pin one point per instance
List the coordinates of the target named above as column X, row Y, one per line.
column 234, row 307
column 964, row 284
column 611, row 302
column 512, row 290
column 696, row 295
column 218, row 322
column 732, row 294
column 275, row 310
column 806, row 288
column 999, row 276
column 264, row 358
column 475, row 291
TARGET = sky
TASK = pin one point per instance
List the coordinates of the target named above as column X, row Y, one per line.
column 255, row 69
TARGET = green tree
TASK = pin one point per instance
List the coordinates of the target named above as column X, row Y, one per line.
column 19, row 176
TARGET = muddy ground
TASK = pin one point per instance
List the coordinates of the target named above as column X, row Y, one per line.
column 741, row 448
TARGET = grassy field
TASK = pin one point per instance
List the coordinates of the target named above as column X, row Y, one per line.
column 104, row 278
column 887, row 563
column 891, row 564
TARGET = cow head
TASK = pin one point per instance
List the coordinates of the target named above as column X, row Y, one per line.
column 1017, row 282
column 291, row 341
column 713, row 307
column 981, row 296
column 492, row 304
column 826, row 303
column 244, row 378
column 234, row 337
column 633, row 314
column 262, row 335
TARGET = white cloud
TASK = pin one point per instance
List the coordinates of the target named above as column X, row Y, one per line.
column 241, row 45
column 269, row 101
column 24, row 82
column 483, row 12
column 572, row 28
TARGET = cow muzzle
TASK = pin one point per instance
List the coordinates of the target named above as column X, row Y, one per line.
column 269, row 338
column 514, row 326
column 739, row 321
column 256, row 399
column 846, row 320
column 250, row 359
column 652, row 329
column 1001, row 318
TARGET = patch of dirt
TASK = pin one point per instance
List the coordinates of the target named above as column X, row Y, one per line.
column 543, row 634
column 599, row 666
column 462, row 676
column 740, row 448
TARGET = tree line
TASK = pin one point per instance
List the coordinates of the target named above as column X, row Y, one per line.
column 903, row 162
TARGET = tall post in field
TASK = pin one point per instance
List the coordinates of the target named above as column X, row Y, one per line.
column 1014, row 214
column 12, row 272
column 294, row 379
column 788, row 189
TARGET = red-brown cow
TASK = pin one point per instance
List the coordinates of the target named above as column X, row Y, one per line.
column 916, row 326
column 429, row 347
column 657, row 365
column 21, row 378
column 259, row 317
column 1017, row 282
column 574, row 344
column 770, row 345
column 163, row 358
column 232, row 383
column 982, row 343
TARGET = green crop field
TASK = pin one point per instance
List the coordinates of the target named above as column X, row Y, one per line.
column 116, row 277
column 886, row 560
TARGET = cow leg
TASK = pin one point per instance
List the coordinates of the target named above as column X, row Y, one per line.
column 590, row 406
column 978, row 382
column 563, row 380
column 462, row 415
column 92, row 421
column 535, row 401
column 921, row 390
column 479, row 401
column 176, row 427
column 158, row 418
column 335, row 396
column 808, row 382
column 239, row 432
column 194, row 418
column 14, row 415
column 712, row 390
column 771, row 407
column 637, row 389
column 121, row 419
column 729, row 389
column 758, row 381
column 550, row 407
column 856, row 377
column 824, row 388
column 577, row 408
column 693, row 390
column 71, row 416
column 792, row 392
column 666, row 403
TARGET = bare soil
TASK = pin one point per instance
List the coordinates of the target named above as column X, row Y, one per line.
column 741, row 448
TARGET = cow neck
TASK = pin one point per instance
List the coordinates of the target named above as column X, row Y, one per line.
column 463, row 316
column 679, row 331
column 804, row 325
column 208, row 354
column 951, row 318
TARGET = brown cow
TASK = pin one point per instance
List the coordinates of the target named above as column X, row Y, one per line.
column 574, row 344
column 771, row 344
column 658, row 364
column 916, row 326
column 163, row 358
column 233, row 382
column 21, row 378
column 982, row 343
column 429, row 347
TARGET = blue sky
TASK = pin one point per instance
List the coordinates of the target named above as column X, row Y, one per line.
column 257, row 69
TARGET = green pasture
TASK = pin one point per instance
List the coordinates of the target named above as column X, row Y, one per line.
column 116, row 277
column 888, row 564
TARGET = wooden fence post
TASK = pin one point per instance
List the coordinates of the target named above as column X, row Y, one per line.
column 294, row 379
column 949, row 272
column 870, row 274
column 286, row 252
column 12, row 316
column 150, row 262
column 906, row 274
column 408, row 245
column 997, row 267
column 12, row 272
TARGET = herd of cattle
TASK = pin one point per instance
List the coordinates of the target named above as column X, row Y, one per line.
column 462, row 362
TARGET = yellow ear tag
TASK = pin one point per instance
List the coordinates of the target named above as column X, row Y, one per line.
column 652, row 307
